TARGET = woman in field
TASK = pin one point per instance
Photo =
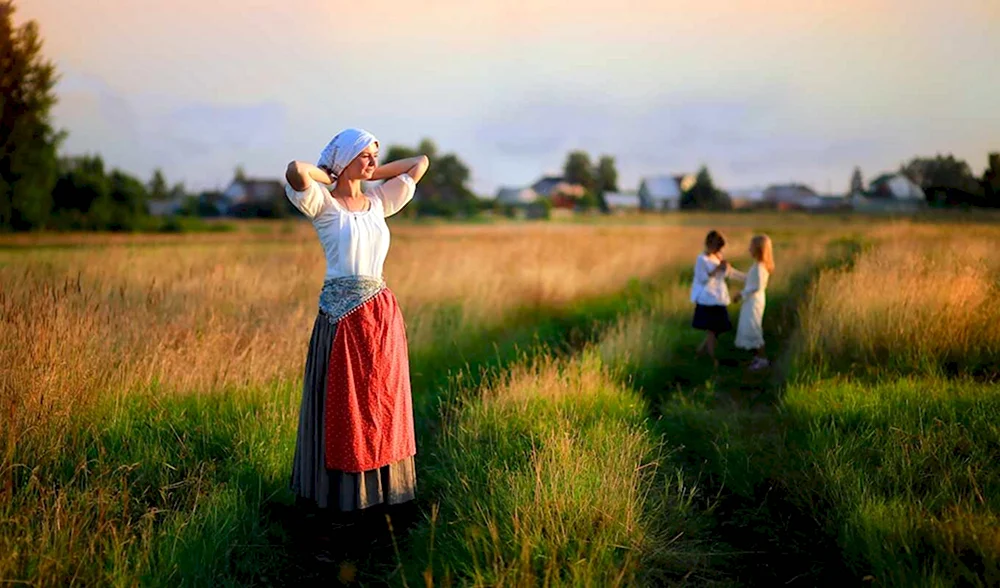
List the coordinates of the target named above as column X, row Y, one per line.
column 710, row 294
column 355, row 446
column 750, row 329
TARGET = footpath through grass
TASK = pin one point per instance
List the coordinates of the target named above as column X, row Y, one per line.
column 873, row 461
column 544, row 469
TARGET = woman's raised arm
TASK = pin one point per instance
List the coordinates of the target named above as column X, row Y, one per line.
column 415, row 167
column 299, row 173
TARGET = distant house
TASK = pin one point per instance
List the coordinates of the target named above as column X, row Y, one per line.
column 546, row 185
column 832, row 204
column 896, row 186
column 686, row 181
column 661, row 192
column 621, row 201
column 563, row 194
column 567, row 196
column 747, row 198
column 247, row 193
column 791, row 197
column 516, row 196
column 891, row 193
column 801, row 197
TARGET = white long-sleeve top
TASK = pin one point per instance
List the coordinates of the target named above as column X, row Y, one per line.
column 355, row 243
column 708, row 289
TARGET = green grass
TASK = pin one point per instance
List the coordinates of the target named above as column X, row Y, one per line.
column 528, row 492
column 156, row 489
column 911, row 469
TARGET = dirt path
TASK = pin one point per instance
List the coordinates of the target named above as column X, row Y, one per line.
column 732, row 443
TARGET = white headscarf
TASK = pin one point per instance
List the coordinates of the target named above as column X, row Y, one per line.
column 343, row 148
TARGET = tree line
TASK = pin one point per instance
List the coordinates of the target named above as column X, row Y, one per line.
column 38, row 189
column 949, row 182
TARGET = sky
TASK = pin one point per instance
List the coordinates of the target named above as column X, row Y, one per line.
column 760, row 91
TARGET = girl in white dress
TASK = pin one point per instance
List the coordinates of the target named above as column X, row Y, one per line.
column 750, row 331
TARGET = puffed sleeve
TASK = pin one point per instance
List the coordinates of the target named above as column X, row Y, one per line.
column 309, row 201
column 395, row 193
column 701, row 271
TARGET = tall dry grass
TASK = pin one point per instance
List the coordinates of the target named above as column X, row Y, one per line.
column 921, row 298
column 224, row 311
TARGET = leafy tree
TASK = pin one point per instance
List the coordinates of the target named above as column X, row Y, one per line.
column 427, row 147
column 704, row 195
column 589, row 201
column 205, row 204
column 396, row 152
column 607, row 179
column 991, row 181
column 607, row 174
column 178, row 192
column 128, row 195
column 444, row 189
column 81, row 198
column 857, row 183
column 579, row 170
column 87, row 197
column 595, row 179
column 240, row 174
column 28, row 141
column 158, row 186
column 946, row 180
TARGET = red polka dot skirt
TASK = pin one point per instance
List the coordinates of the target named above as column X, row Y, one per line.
column 368, row 412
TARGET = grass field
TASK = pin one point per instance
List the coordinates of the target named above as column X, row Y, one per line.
column 566, row 433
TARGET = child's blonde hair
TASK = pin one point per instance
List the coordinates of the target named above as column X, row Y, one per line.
column 763, row 252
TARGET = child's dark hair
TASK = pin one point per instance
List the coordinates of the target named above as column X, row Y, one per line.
column 714, row 242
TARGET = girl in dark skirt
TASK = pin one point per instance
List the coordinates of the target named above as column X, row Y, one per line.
column 710, row 294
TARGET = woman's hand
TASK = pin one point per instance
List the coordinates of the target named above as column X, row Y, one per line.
column 738, row 297
column 299, row 173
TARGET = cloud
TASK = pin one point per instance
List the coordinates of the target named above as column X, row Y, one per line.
column 221, row 126
column 197, row 141
column 673, row 133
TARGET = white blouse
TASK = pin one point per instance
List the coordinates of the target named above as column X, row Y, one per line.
column 355, row 243
column 706, row 289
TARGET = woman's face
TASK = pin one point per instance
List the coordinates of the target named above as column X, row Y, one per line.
column 364, row 165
